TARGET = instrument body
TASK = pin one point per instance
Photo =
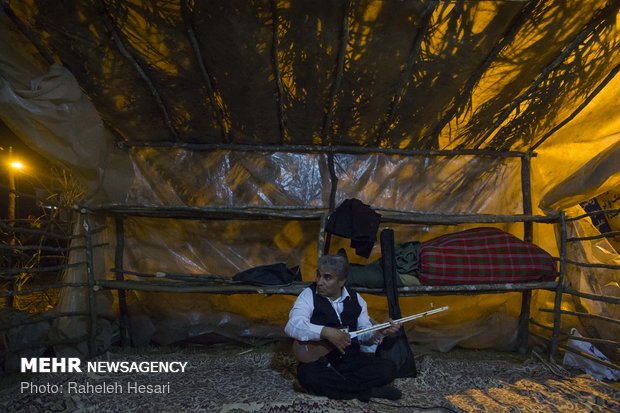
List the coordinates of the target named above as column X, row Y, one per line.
column 310, row 351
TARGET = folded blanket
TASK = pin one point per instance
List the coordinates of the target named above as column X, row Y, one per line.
column 483, row 256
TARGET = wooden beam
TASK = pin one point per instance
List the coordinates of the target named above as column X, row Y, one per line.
column 413, row 290
column 329, row 109
column 311, row 213
column 566, row 335
column 328, row 149
column 596, row 297
column 559, row 290
column 180, row 287
column 276, row 71
column 124, row 324
column 333, row 179
column 90, row 276
column 109, row 24
column 526, row 194
column 175, row 276
column 202, row 64
column 240, row 212
column 296, row 287
column 589, row 214
column 591, row 237
column 408, row 217
column 523, row 325
column 405, row 78
column 580, row 314
column 589, row 265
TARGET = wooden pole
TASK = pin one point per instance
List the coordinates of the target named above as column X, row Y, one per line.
column 528, row 226
column 92, row 299
column 526, row 193
column 118, row 264
column 10, row 300
column 581, row 314
column 557, row 317
column 339, row 70
column 12, row 190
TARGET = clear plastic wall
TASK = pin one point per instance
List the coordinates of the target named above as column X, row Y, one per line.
column 225, row 247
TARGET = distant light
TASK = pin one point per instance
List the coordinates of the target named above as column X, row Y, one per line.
column 17, row 165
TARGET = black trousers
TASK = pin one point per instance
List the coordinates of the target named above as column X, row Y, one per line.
column 351, row 377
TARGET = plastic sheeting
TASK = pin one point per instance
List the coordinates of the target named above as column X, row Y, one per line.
column 224, row 178
column 46, row 108
column 590, row 366
column 462, row 184
column 600, row 174
column 595, row 281
column 224, row 247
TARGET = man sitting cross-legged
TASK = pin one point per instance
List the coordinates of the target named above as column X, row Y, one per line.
column 331, row 363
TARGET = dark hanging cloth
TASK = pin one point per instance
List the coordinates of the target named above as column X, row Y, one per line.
column 395, row 347
column 271, row 274
column 357, row 221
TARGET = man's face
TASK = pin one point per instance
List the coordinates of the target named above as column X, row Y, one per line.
column 328, row 285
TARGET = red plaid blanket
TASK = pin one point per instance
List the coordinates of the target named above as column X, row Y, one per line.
column 483, row 256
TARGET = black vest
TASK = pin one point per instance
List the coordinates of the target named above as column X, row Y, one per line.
column 325, row 315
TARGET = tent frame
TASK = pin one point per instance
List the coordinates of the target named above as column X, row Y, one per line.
column 395, row 216
column 212, row 284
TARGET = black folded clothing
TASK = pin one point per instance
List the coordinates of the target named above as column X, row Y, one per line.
column 357, row 221
column 271, row 274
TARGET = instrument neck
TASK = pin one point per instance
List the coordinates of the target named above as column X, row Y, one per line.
column 399, row 321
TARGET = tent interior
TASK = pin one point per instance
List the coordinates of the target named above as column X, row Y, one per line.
column 218, row 136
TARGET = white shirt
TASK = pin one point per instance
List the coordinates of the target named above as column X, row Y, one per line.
column 300, row 328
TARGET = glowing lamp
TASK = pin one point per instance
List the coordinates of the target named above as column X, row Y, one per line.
column 17, row 165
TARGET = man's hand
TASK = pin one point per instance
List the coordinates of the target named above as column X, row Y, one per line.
column 339, row 339
column 387, row 331
column 392, row 329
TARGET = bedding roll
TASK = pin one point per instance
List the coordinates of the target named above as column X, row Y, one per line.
column 483, row 256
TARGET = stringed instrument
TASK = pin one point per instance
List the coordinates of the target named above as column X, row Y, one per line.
column 309, row 351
